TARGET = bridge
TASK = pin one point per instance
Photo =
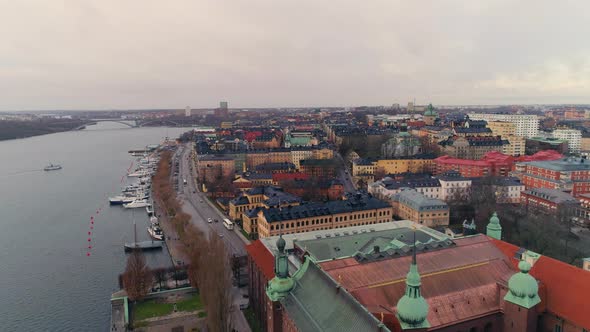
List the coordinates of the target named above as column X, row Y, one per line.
column 130, row 123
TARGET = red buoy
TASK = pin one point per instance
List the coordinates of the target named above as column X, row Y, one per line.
column 89, row 239
column 87, row 254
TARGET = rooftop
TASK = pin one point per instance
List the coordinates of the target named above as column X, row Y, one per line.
column 417, row 201
column 564, row 164
column 552, row 195
column 355, row 202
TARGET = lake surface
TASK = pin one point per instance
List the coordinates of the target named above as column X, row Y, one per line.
column 47, row 281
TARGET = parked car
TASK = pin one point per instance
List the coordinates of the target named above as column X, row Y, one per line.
column 209, row 220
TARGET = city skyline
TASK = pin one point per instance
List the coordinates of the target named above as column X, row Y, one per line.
column 111, row 55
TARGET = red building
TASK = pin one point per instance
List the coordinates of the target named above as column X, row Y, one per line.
column 570, row 175
column 550, row 201
column 492, row 164
column 475, row 283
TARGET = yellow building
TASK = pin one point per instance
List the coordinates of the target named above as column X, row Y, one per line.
column 362, row 167
column 502, row 128
column 355, row 211
column 412, row 205
column 507, row 130
column 267, row 197
column 516, row 147
column 395, row 166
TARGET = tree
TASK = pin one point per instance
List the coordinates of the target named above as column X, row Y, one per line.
column 160, row 276
column 137, row 278
column 216, row 284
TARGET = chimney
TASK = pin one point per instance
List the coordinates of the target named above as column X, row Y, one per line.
column 376, row 249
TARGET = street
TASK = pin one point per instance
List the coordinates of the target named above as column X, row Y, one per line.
column 198, row 206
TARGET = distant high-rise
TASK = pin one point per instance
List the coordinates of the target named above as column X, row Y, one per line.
column 222, row 111
column 527, row 125
column 223, row 105
column 188, row 111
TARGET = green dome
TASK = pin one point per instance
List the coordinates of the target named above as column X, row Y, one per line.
column 523, row 289
column 494, row 219
column 412, row 308
column 430, row 111
column 494, row 229
column 412, row 311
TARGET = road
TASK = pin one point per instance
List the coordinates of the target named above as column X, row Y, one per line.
column 200, row 208
column 345, row 176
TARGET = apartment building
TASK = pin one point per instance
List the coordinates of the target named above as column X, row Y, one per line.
column 526, row 125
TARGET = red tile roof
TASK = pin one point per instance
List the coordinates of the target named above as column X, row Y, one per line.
column 262, row 258
column 459, row 283
column 567, row 289
column 541, row 156
column 508, row 249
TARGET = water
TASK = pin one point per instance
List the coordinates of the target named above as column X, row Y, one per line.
column 47, row 283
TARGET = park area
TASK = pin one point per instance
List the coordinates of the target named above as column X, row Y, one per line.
column 168, row 308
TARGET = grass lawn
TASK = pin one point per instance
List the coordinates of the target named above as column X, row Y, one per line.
column 151, row 308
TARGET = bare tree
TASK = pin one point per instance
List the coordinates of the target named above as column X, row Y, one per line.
column 216, row 285
column 137, row 278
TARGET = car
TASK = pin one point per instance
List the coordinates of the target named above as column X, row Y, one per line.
column 216, row 220
column 220, row 235
column 209, row 220
column 201, row 201
column 194, row 191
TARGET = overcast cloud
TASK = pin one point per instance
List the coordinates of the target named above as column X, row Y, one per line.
column 131, row 54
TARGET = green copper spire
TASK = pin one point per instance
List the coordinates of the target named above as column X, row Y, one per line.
column 430, row 111
column 494, row 229
column 412, row 308
column 282, row 284
column 523, row 289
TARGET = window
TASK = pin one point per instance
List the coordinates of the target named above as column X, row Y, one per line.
column 557, row 328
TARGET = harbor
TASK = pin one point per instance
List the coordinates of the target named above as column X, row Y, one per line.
column 56, row 226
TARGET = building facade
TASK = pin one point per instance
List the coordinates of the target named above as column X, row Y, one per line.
column 411, row 205
column 526, row 125
column 573, row 137
column 357, row 209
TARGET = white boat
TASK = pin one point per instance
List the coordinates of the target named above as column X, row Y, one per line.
column 154, row 221
column 52, row 167
column 138, row 173
column 138, row 203
column 121, row 199
column 155, row 232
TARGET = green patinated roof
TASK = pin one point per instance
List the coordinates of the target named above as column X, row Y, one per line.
column 494, row 229
column 523, row 288
column 317, row 304
column 412, row 308
column 350, row 244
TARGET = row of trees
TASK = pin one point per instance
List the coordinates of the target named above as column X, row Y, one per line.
column 209, row 268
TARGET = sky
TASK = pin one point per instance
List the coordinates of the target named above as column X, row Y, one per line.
column 136, row 54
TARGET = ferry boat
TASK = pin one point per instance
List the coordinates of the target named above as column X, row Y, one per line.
column 52, row 167
column 138, row 203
